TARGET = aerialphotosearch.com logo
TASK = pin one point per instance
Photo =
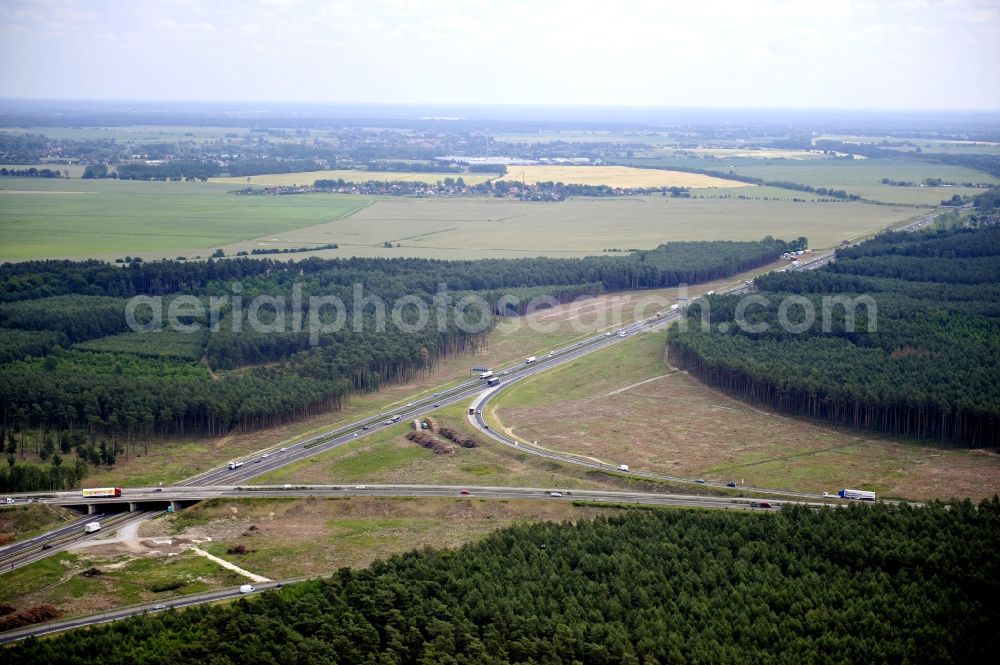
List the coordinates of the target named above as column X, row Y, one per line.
column 319, row 315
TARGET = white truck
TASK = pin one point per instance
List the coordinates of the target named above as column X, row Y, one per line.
column 235, row 465
column 247, row 588
column 856, row 495
column 529, row 360
column 91, row 527
column 623, row 467
column 485, row 375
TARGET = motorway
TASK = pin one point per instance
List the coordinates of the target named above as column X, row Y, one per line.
column 58, row 540
column 222, row 482
column 417, row 491
column 426, row 491
column 271, row 460
column 132, row 611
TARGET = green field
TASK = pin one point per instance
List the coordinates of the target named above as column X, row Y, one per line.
column 108, row 219
column 925, row 144
column 495, row 228
column 42, row 218
column 863, row 177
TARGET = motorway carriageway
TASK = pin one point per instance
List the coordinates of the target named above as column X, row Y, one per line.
column 266, row 461
column 29, row 551
column 209, row 481
column 262, row 491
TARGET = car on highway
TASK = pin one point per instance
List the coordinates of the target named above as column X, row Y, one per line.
column 436, row 405
column 465, row 492
column 479, row 412
column 159, row 606
column 486, row 426
column 158, row 489
column 279, row 585
column 701, row 481
column 283, row 450
column 409, row 404
column 387, row 422
column 364, row 427
column 730, row 484
column 360, row 487
column 47, row 546
column 264, row 455
column 555, row 494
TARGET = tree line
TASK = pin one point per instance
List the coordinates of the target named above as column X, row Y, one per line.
column 71, row 364
column 668, row 265
column 32, row 172
column 929, row 368
column 875, row 584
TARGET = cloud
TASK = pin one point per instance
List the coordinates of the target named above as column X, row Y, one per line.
column 856, row 53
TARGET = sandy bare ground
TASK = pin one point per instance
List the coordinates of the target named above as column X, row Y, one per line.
column 675, row 425
column 229, row 565
column 128, row 536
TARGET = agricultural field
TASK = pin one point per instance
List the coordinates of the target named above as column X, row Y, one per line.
column 627, row 405
column 863, row 177
column 925, row 144
column 282, row 538
column 469, row 228
column 59, row 218
column 110, row 219
column 614, row 176
column 309, row 177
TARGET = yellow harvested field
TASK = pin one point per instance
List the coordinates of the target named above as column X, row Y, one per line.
column 616, row 176
column 309, row 177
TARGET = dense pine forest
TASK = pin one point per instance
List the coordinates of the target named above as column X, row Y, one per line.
column 70, row 364
column 928, row 371
column 862, row 584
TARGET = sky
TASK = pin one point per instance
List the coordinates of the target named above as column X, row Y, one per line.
column 885, row 54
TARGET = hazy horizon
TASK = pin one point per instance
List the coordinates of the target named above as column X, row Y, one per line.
column 905, row 55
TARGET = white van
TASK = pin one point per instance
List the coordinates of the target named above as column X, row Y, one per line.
column 247, row 588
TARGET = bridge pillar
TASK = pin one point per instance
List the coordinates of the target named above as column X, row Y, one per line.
column 174, row 506
column 91, row 509
column 132, row 506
